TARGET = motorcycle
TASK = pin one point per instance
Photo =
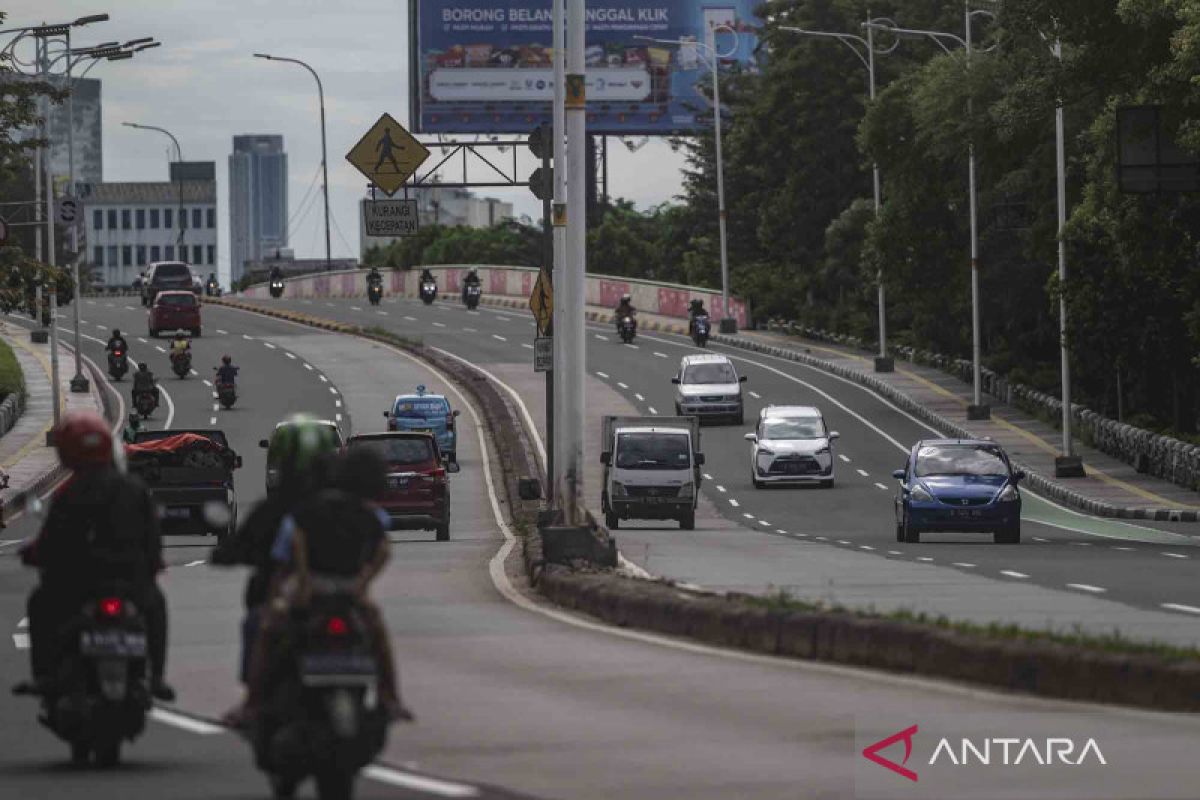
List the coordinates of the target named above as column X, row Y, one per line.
column 700, row 330
column 627, row 328
column 374, row 292
column 226, row 393
column 471, row 296
column 101, row 694
column 118, row 364
column 322, row 719
column 212, row 289
column 181, row 362
column 145, row 402
column 277, row 288
column 428, row 292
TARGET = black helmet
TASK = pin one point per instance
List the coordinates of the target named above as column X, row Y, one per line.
column 116, row 334
column 142, row 367
column 226, row 360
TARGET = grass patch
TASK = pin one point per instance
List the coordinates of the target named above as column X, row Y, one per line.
column 12, row 380
column 1113, row 642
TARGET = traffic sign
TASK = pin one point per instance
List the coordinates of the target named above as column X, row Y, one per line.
column 3, row 230
column 541, row 302
column 388, row 154
column 390, row 217
column 543, row 354
column 66, row 210
column 541, row 183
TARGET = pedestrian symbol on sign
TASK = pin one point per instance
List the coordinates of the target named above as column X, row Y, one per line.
column 385, row 147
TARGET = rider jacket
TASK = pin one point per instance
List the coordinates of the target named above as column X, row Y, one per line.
column 374, row 277
column 117, row 343
column 144, row 381
column 426, row 275
column 226, row 373
column 626, row 310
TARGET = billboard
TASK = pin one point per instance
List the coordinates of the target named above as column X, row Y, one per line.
column 484, row 66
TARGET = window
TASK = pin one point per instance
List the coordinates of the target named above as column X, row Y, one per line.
column 125, row 219
column 183, row 217
column 212, row 254
column 98, row 219
column 969, row 460
column 177, row 299
column 398, row 451
column 211, row 217
column 112, row 256
column 126, row 253
column 112, row 219
column 172, row 271
column 98, row 256
column 141, row 254
column 711, row 372
column 197, row 254
column 140, row 216
column 169, row 251
column 168, row 219
column 196, row 212
column 154, row 218
column 155, row 252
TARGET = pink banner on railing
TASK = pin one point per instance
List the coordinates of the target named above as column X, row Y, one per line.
column 527, row 279
column 673, row 302
column 397, row 282
column 453, row 280
column 611, row 292
column 321, row 286
column 497, row 281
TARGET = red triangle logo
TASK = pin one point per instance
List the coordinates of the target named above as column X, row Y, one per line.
column 906, row 735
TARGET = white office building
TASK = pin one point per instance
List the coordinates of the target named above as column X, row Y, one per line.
column 130, row 225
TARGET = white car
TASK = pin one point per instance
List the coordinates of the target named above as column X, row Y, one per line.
column 708, row 386
column 791, row 444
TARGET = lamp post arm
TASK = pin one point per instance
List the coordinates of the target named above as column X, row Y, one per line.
column 850, row 40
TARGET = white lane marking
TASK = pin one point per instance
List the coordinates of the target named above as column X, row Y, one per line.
column 503, row 318
column 382, row 313
column 707, row 477
column 24, row 623
column 186, row 723
column 734, row 503
column 601, row 338
column 1175, row 555
column 308, row 366
column 130, row 308
column 215, row 395
column 418, row 783
column 747, row 515
column 205, row 382
column 1180, row 607
column 881, row 486
column 439, row 324
column 895, row 553
column 329, row 304
column 91, row 302
column 221, row 331
column 622, row 385
column 1124, row 549
column 526, row 345
column 652, row 410
column 821, row 539
column 337, row 403
column 1013, row 574
column 98, row 325
column 499, row 338
column 268, row 345
column 1084, row 587
column 141, row 340
column 355, row 308
column 1040, row 539
column 660, row 355
column 865, row 547
column 410, row 319
column 247, row 337
column 159, row 348
column 337, row 417
column 863, row 472
column 290, row 355
column 720, row 489
column 1080, row 544
column 323, row 379
column 602, row 375
column 196, row 563
column 212, row 421
column 332, row 390
column 471, row 330
column 782, row 532
column 964, row 564
column 633, row 347
column 193, row 373
column 642, row 400
column 843, row 458
column 21, row 641
column 764, row 522
column 924, row 558
column 216, row 406
column 756, row 395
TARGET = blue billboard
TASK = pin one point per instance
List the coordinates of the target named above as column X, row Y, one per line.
column 484, row 66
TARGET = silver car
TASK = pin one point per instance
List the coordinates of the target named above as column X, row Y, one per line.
column 709, row 386
column 791, row 445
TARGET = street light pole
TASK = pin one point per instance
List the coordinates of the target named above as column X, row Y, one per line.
column 51, row 256
column 178, row 183
column 575, row 355
column 324, row 157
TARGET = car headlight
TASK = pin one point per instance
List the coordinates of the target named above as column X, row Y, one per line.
column 618, row 489
column 824, row 451
column 733, row 398
column 1008, row 494
column 687, row 490
column 921, row 494
column 762, row 451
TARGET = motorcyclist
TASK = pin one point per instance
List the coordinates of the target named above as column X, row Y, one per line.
column 102, row 527
column 624, row 309
column 373, row 276
column 227, row 372
column 298, row 448
column 132, row 426
column 212, row 283
column 695, row 309
column 116, row 342
column 427, row 276
column 180, row 344
column 276, row 274
column 143, row 381
column 472, row 279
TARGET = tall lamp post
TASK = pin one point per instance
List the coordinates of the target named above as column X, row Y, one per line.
column 977, row 410
column 324, row 157
column 178, row 183
column 728, row 322
column 865, row 50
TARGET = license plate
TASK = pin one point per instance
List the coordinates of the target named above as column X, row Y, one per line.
column 317, row 664
column 113, row 643
column 397, row 483
column 178, row 513
column 966, row 513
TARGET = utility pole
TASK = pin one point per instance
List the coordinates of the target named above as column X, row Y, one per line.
column 574, row 355
column 51, row 288
column 558, row 129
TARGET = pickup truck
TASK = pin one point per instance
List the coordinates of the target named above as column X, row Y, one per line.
column 651, row 469
column 187, row 470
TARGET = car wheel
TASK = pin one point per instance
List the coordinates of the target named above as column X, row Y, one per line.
column 688, row 521
column 195, row 333
column 899, row 532
column 443, row 530
column 757, row 483
column 452, row 457
column 1009, row 535
column 153, row 333
column 611, row 521
column 827, row 484
column 912, row 534
column 740, row 419
column 678, row 410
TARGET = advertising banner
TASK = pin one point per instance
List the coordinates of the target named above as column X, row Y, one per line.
column 484, row 66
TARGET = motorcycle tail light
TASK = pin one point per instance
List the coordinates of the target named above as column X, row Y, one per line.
column 111, row 607
column 336, row 626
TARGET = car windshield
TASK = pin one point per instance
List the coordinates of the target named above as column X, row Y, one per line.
column 398, row 450
column 652, row 451
column 710, row 373
column 794, row 428
column 172, row 271
column 179, row 300
column 960, row 460
column 422, row 408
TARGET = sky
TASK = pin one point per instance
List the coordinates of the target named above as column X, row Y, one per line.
column 204, row 86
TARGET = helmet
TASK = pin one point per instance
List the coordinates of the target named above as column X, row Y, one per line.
column 116, row 334
column 297, row 447
column 142, row 367
column 83, row 440
column 226, row 360
column 625, row 298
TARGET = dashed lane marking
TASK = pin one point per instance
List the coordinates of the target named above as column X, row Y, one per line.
column 527, row 345
column 206, row 383
column 964, row 564
column 660, row 355
column 924, row 558
column 186, row 723
column 193, row 373
column 633, row 347
column 1123, row 549
column 1169, row 607
column 747, row 515
column 601, row 338
column 418, row 783
column 222, row 331
column 602, row 375
column 21, row 641
column 653, row 410
column 1013, row 574
column 881, row 486
column 337, row 403
column 764, row 522
column 1084, row 587
column 720, row 489
column 337, row 417
column 470, row 330
column 734, row 503
column 332, row 390
column 290, row 355
column 756, row 395
column 707, row 477
column 1175, row 555
column 865, row 547
column 308, row 366
column 640, row 398
column 195, row 563
column 212, row 421
column 439, row 324
column 863, row 472
column 842, row 541
column 843, row 458
column 247, row 337
column 159, row 348
column 410, row 319
column 622, row 385
column 323, row 379
column 268, row 345
column 499, row 338
column 355, row 308
column 821, row 538
column 1040, row 539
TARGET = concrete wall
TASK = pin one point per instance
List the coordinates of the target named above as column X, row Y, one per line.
column 666, row 299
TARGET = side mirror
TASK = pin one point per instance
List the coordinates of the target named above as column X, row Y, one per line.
column 263, row 443
column 387, row 414
column 675, row 380
column 237, row 463
column 898, row 474
column 741, row 378
column 751, row 437
column 699, row 459
column 834, row 435
column 453, row 468
column 456, row 412
column 1019, row 475
column 606, row 458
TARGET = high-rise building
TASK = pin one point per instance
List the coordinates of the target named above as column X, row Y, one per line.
column 258, row 207
column 86, row 139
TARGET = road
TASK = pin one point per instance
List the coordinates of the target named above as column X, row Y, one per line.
column 514, row 698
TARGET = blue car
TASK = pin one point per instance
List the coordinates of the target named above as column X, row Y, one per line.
column 958, row 485
column 422, row 411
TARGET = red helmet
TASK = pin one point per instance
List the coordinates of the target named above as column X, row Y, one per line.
column 84, row 440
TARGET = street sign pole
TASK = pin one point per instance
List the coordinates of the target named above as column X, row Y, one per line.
column 571, row 296
column 558, row 127
column 548, row 272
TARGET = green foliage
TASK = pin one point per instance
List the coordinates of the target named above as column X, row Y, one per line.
column 12, row 380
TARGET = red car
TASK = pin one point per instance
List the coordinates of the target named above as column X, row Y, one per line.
column 173, row 311
column 418, row 493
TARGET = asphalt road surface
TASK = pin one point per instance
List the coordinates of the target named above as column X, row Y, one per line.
column 517, row 699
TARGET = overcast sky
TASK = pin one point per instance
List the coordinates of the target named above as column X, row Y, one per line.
column 205, row 87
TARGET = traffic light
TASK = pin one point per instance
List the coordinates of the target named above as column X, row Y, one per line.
column 541, row 183
column 541, row 142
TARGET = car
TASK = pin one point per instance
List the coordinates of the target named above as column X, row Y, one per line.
column 791, row 444
column 709, row 386
column 423, row 411
column 418, row 491
column 162, row 276
column 174, row 311
column 963, row 485
column 273, row 448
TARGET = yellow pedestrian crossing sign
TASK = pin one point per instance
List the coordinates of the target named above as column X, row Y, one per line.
column 541, row 302
column 388, row 154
